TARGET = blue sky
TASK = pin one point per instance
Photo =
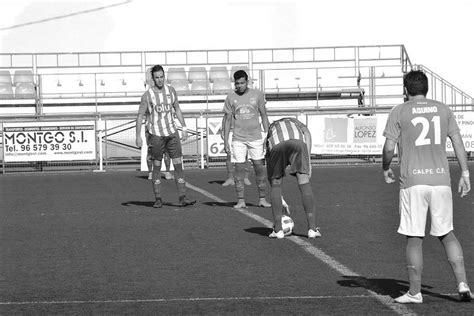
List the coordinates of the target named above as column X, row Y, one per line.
column 436, row 33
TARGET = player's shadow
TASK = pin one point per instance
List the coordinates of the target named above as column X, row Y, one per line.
column 148, row 203
column 138, row 203
column 227, row 204
column 219, row 182
column 299, row 235
column 391, row 287
column 262, row 231
column 213, row 203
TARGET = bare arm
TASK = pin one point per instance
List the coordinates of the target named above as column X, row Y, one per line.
column 387, row 156
column 464, row 183
column 264, row 116
column 138, row 139
column 227, row 121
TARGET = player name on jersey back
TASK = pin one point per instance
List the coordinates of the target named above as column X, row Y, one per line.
column 425, row 109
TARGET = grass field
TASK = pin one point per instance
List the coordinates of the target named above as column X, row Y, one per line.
column 91, row 243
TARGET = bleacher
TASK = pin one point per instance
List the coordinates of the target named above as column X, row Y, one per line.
column 106, row 87
column 347, row 78
column 362, row 77
column 114, row 81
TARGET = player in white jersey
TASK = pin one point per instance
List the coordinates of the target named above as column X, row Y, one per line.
column 159, row 105
column 420, row 128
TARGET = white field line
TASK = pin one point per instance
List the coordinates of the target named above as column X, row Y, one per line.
column 386, row 300
column 184, row 299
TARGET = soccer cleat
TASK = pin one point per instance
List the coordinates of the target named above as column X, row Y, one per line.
column 314, row 233
column 240, row 204
column 228, row 182
column 264, row 203
column 168, row 175
column 247, row 181
column 184, row 201
column 464, row 292
column 150, row 175
column 407, row 298
column 278, row 235
column 158, row 203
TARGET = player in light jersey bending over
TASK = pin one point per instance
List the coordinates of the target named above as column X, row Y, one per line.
column 243, row 109
column 289, row 144
column 420, row 127
column 159, row 105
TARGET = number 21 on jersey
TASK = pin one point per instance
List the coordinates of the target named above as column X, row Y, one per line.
column 426, row 125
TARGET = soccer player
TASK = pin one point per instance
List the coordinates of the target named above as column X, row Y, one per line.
column 289, row 144
column 243, row 109
column 159, row 105
column 420, row 127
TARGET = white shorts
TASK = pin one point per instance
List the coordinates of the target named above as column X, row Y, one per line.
column 255, row 150
column 414, row 204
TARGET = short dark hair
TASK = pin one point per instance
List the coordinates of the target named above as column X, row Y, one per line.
column 155, row 69
column 416, row 83
column 240, row 74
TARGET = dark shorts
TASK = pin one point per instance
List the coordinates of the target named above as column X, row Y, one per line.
column 293, row 153
column 161, row 144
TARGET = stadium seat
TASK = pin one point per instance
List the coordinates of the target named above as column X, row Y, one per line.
column 197, row 73
column 25, row 90
column 176, row 73
column 200, row 87
column 6, row 91
column 235, row 68
column 218, row 72
column 23, row 76
column 221, row 86
column 181, row 86
column 5, row 77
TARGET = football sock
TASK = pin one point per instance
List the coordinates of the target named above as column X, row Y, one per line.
column 414, row 253
column 308, row 204
column 277, row 205
column 239, row 180
column 455, row 256
column 260, row 177
column 156, row 182
column 179, row 179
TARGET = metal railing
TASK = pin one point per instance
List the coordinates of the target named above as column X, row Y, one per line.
column 444, row 91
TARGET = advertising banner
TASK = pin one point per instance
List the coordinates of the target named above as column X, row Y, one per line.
column 215, row 144
column 49, row 141
column 343, row 135
column 465, row 122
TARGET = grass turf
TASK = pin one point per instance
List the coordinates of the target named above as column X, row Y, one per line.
column 92, row 243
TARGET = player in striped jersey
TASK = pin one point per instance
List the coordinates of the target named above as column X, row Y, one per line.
column 159, row 105
column 288, row 143
column 420, row 127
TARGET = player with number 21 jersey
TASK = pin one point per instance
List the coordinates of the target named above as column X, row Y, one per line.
column 424, row 122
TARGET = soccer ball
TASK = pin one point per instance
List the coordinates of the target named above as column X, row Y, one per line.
column 287, row 224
